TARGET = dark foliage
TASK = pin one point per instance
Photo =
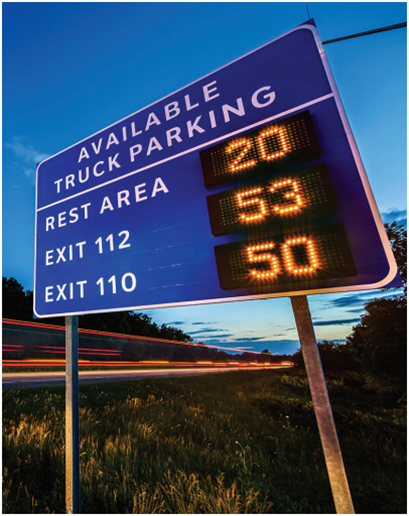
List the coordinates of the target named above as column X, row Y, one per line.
column 398, row 241
column 380, row 339
column 335, row 358
column 17, row 304
column 376, row 348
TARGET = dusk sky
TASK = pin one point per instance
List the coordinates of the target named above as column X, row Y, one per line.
column 73, row 69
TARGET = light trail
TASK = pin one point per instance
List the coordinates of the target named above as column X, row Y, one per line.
column 143, row 363
column 112, row 357
column 21, row 379
column 122, row 336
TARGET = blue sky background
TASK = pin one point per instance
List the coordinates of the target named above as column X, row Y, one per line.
column 72, row 69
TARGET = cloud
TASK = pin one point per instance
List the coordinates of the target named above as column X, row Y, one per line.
column 205, row 330
column 250, row 339
column 394, row 215
column 197, row 323
column 356, row 310
column 212, row 337
column 26, row 152
column 26, row 157
column 276, row 347
column 336, row 322
column 358, row 300
column 175, row 323
column 350, row 300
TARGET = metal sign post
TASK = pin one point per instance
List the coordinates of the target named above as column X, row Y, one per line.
column 72, row 419
column 322, row 407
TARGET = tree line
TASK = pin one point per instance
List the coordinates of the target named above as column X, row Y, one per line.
column 375, row 353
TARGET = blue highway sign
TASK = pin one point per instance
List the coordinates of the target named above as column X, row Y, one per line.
column 244, row 184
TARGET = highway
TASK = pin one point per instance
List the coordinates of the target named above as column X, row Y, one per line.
column 29, row 379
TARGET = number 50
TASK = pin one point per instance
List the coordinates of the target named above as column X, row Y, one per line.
column 286, row 262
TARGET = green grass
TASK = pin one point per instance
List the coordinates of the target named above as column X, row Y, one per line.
column 238, row 442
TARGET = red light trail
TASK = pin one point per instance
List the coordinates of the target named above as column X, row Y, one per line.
column 145, row 363
column 95, row 352
column 125, row 336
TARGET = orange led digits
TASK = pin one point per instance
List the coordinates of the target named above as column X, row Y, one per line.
column 255, row 200
column 295, row 194
column 289, row 258
column 265, row 257
column 291, row 141
column 236, row 165
column 282, row 141
column 287, row 262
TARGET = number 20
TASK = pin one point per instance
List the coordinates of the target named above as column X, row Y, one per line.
column 245, row 144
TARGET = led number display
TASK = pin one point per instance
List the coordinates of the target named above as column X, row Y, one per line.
column 268, row 148
column 299, row 259
column 296, row 198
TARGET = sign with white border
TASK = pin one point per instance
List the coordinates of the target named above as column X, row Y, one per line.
column 122, row 217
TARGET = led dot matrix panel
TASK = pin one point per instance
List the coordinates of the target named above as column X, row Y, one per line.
column 290, row 242
column 297, row 198
column 271, row 147
column 299, row 259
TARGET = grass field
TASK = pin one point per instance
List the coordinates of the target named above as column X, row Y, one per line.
column 238, row 442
